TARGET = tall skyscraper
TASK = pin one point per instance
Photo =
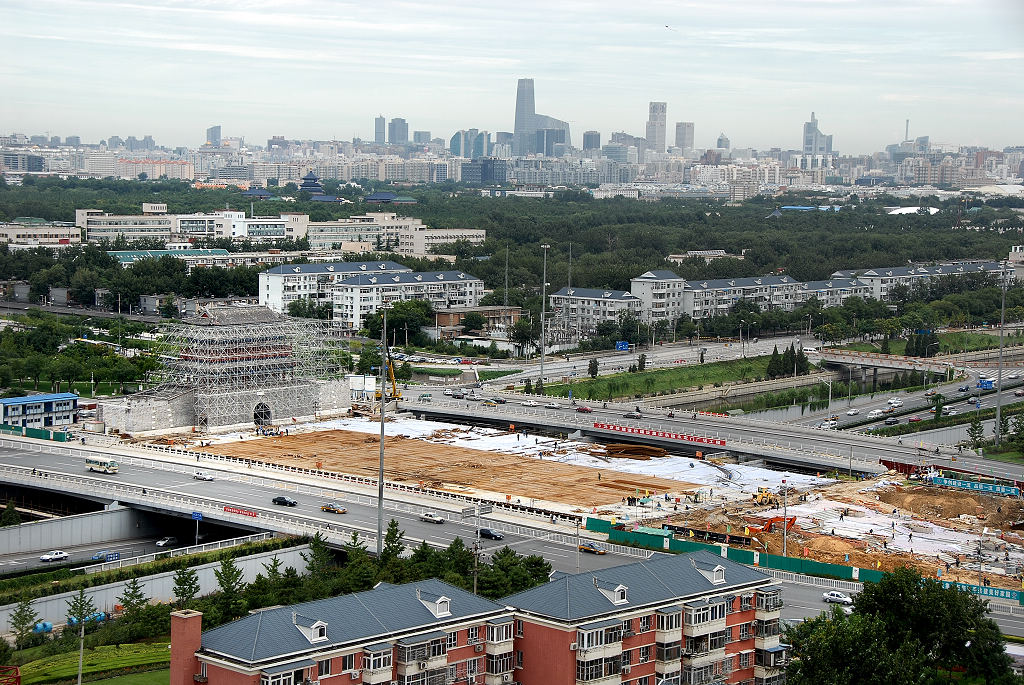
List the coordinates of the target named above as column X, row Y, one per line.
column 528, row 122
column 684, row 135
column 591, row 140
column 213, row 136
column 816, row 142
column 398, row 131
column 379, row 124
column 656, row 118
column 421, row 137
column 723, row 142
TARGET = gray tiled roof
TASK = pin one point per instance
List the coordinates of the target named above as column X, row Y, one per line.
column 338, row 267
column 658, row 275
column 834, row 283
column 727, row 283
column 596, row 293
column 574, row 598
column 372, row 616
column 950, row 268
column 410, row 277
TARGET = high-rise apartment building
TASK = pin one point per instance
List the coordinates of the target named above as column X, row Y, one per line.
column 591, row 140
column 73, row 141
column 657, row 113
column 379, row 124
column 213, row 136
column 528, row 122
column 816, row 142
column 398, row 131
column 684, row 135
column 421, row 137
column 723, row 142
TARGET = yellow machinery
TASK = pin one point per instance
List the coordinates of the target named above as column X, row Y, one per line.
column 765, row 496
column 396, row 394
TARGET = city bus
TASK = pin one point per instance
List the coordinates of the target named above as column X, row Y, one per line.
column 101, row 464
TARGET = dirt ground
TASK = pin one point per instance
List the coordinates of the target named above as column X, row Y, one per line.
column 938, row 506
column 446, row 467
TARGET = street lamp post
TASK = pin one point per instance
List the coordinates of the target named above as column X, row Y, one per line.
column 742, row 352
column 543, row 311
column 999, row 377
column 383, row 403
column 785, row 516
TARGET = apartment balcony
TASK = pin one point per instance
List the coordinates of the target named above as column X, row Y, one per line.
column 426, row 663
column 703, row 658
column 697, row 629
column 667, row 636
column 667, row 667
column 499, row 647
column 380, row 675
column 614, row 679
column 602, row 652
column 766, row 641
column 502, row 678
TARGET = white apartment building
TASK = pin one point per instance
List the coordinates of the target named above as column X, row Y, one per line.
column 358, row 297
column 706, row 299
column 100, row 226
column 660, row 292
column 834, row 292
column 26, row 232
column 281, row 285
column 420, row 241
column 882, row 281
column 578, row 311
column 387, row 231
column 288, row 226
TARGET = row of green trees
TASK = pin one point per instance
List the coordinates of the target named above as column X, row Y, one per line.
column 326, row 574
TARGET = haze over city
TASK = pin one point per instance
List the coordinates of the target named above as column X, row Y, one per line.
column 323, row 70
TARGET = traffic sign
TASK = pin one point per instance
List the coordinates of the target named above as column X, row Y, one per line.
column 113, row 556
column 485, row 509
column 468, row 511
column 621, row 346
column 197, row 516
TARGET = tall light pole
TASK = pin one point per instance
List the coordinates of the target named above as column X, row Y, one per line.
column 999, row 377
column 383, row 403
column 742, row 353
column 543, row 311
column 785, row 516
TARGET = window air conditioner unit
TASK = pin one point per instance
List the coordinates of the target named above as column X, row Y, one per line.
column 572, row 647
column 355, row 674
column 625, row 668
column 506, row 677
column 478, row 648
column 423, row 664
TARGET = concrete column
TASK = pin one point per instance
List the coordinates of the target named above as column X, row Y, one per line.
column 874, row 379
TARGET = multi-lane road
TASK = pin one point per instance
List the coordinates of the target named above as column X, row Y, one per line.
column 554, row 543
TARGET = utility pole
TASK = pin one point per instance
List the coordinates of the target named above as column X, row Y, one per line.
column 543, row 311
column 476, row 556
column 506, row 276
column 81, row 641
column 999, row 378
column 785, row 516
column 577, row 545
column 383, row 403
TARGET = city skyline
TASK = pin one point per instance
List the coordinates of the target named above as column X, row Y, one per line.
column 751, row 71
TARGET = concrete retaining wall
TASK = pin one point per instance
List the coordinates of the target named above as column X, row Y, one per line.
column 110, row 525
column 159, row 587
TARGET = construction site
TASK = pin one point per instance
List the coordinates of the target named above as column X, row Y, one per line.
column 880, row 523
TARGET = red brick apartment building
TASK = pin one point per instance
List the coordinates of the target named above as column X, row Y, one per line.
column 673, row 620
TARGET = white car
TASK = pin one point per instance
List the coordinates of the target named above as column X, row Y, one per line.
column 55, row 555
column 202, row 475
column 950, row 412
column 449, row 392
column 431, row 517
column 168, row 541
column 552, row 405
column 895, row 402
column 836, row 597
column 852, row 412
column 531, row 403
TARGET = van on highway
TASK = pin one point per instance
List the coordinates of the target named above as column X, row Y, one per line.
column 875, row 414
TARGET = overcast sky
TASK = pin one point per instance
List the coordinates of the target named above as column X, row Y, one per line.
column 322, row 69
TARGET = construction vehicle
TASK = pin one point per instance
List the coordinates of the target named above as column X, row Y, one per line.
column 389, row 363
column 765, row 496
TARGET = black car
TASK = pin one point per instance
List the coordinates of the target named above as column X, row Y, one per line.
column 891, row 421
column 963, row 388
column 491, row 534
column 284, row 501
column 632, row 415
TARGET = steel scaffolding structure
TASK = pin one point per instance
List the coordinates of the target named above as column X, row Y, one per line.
column 250, row 365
